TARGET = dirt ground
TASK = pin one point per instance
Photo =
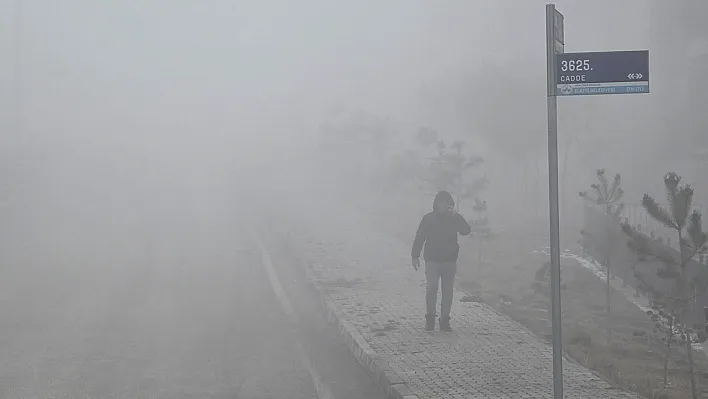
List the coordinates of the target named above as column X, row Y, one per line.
column 634, row 357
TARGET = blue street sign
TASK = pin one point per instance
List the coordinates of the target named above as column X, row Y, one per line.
column 610, row 72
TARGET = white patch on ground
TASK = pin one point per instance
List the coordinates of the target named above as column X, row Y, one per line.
column 640, row 300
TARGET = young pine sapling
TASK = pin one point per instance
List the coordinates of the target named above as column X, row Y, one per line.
column 692, row 240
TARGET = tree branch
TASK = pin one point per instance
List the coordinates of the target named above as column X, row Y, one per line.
column 657, row 212
column 615, row 186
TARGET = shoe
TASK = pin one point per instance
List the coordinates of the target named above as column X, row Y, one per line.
column 429, row 322
column 445, row 324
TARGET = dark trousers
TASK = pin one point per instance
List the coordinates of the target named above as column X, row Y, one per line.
column 442, row 273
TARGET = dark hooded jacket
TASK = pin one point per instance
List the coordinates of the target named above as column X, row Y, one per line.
column 438, row 233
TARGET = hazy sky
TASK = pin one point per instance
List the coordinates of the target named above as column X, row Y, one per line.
column 199, row 79
column 245, row 52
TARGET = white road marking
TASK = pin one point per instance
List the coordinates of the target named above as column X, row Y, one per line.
column 322, row 390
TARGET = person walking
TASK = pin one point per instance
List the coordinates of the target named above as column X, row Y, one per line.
column 437, row 238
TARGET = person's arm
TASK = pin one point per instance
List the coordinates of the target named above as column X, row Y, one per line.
column 462, row 226
column 420, row 237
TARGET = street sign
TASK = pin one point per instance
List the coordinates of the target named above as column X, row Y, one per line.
column 610, row 72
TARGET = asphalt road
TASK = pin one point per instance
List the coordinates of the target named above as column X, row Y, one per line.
column 177, row 306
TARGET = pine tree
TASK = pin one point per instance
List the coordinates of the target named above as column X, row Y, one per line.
column 692, row 240
column 607, row 196
column 448, row 169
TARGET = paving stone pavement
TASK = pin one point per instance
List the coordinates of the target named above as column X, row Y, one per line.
column 367, row 277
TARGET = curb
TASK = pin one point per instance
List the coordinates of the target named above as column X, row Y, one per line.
column 387, row 379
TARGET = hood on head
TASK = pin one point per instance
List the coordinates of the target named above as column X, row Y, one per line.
column 442, row 196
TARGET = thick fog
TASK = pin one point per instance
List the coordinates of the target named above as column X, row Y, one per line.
column 130, row 101
column 134, row 98
column 124, row 120
column 123, row 81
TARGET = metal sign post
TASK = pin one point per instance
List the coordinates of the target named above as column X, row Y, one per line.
column 554, row 44
column 578, row 74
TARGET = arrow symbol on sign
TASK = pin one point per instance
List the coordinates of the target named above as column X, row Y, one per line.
column 634, row 76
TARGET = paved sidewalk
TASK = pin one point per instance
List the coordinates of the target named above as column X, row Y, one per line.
column 376, row 298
